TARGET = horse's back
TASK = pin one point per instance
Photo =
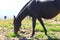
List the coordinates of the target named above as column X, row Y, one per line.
column 44, row 9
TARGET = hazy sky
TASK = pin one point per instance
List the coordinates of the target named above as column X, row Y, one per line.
column 12, row 4
column 11, row 7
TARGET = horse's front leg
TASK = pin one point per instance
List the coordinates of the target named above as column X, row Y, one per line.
column 34, row 23
column 40, row 20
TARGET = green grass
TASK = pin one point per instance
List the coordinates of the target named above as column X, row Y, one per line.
column 11, row 34
column 40, row 35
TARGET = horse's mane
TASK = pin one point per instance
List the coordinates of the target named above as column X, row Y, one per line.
column 24, row 7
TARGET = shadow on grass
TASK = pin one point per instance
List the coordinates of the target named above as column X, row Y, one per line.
column 50, row 38
column 24, row 38
column 20, row 37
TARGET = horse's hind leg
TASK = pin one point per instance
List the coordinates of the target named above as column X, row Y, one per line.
column 34, row 23
column 43, row 25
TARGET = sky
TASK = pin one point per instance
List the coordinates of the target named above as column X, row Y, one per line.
column 11, row 7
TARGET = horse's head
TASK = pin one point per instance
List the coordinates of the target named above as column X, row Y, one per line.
column 16, row 25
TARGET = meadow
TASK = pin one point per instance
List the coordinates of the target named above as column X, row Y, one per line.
column 52, row 26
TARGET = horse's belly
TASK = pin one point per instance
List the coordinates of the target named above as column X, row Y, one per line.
column 48, row 14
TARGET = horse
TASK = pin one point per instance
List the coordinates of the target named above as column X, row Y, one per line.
column 37, row 10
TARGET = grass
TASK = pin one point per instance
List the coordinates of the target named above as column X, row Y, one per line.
column 11, row 34
column 40, row 35
column 27, row 24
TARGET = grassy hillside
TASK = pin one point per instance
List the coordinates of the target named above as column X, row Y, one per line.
column 52, row 26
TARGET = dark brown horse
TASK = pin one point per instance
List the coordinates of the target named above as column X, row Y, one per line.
column 37, row 9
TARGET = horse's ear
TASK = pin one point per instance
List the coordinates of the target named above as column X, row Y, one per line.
column 14, row 17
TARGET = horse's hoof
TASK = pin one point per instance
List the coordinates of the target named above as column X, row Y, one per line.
column 15, row 32
column 31, row 36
